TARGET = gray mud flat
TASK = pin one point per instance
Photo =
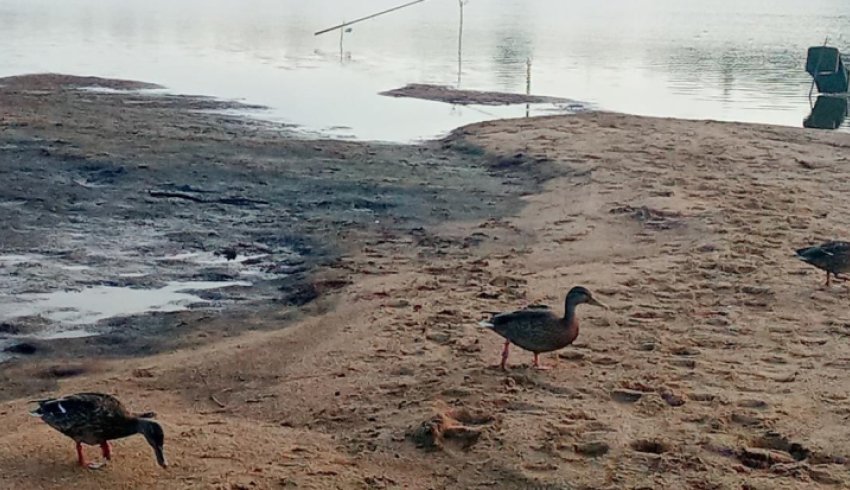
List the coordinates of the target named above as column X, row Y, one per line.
column 442, row 93
column 114, row 188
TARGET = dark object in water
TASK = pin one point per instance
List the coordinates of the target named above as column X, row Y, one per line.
column 24, row 348
column 832, row 257
column 825, row 65
column 229, row 253
column 10, row 328
column 828, row 113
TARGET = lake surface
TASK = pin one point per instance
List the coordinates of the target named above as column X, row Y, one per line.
column 738, row 60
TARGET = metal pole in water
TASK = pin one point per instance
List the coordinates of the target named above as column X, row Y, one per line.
column 460, row 43
column 345, row 24
column 341, row 33
column 527, row 84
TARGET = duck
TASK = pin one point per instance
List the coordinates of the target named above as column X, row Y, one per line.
column 97, row 418
column 538, row 329
column 833, row 257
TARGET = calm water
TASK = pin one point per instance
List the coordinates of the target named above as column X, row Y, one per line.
column 736, row 60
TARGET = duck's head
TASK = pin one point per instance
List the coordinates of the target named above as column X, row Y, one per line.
column 156, row 438
column 581, row 294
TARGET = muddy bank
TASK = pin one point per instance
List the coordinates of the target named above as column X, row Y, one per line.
column 109, row 187
column 442, row 93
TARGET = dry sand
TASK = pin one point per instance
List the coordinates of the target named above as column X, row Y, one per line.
column 722, row 357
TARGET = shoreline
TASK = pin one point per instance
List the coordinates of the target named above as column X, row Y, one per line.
column 719, row 348
column 160, row 196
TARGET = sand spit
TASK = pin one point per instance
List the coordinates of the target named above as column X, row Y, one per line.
column 452, row 95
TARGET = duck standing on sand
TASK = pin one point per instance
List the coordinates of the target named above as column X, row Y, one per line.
column 539, row 329
column 832, row 257
column 96, row 419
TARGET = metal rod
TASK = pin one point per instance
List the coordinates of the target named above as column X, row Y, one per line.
column 345, row 24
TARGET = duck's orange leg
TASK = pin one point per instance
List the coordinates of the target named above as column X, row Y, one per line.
column 81, row 458
column 827, row 278
column 538, row 365
column 505, row 352
column 106, row 449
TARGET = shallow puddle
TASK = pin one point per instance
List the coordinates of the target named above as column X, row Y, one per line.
column 15, row 259
column 91, row 305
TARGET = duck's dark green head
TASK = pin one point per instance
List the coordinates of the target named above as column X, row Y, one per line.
column 581, row 294
column 156, row 438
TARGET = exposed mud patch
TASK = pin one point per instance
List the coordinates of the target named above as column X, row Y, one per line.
column 442, row 93
column 124, row 208
column 651, row 446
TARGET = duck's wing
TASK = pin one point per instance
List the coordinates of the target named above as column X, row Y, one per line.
column 826, row 255
column 836, row 248
column 73, row 409
column 534, row 329
column 519, row 318
column 498, row 317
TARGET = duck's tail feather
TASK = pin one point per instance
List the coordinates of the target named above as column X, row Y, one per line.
column 485, row 324
column 147, row 415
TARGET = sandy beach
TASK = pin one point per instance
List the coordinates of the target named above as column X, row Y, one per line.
column 720, row 365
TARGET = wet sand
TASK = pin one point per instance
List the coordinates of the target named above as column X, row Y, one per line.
column 721, row 363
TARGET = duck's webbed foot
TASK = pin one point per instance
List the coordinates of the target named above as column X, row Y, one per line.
column 539, row 366
column 81, row 458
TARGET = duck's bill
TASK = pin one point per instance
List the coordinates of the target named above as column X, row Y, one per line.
column 160, row 457
column 596, row 302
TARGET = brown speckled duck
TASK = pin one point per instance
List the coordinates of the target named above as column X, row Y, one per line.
column 539, row 329
column 95, row 419
column 831, row 257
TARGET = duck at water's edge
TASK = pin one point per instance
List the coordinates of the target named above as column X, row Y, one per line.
column 95, row 419
column 832, row 257
column 538, row 329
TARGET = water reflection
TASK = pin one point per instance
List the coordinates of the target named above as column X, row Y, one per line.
column 717, row 59
column 829, row 112
column 513, row 44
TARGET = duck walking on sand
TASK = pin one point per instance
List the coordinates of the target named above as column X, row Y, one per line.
column 538, row 329
column 95, row 419
column 832, row 257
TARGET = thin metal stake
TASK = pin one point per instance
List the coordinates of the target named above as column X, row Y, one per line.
column 346, row 24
